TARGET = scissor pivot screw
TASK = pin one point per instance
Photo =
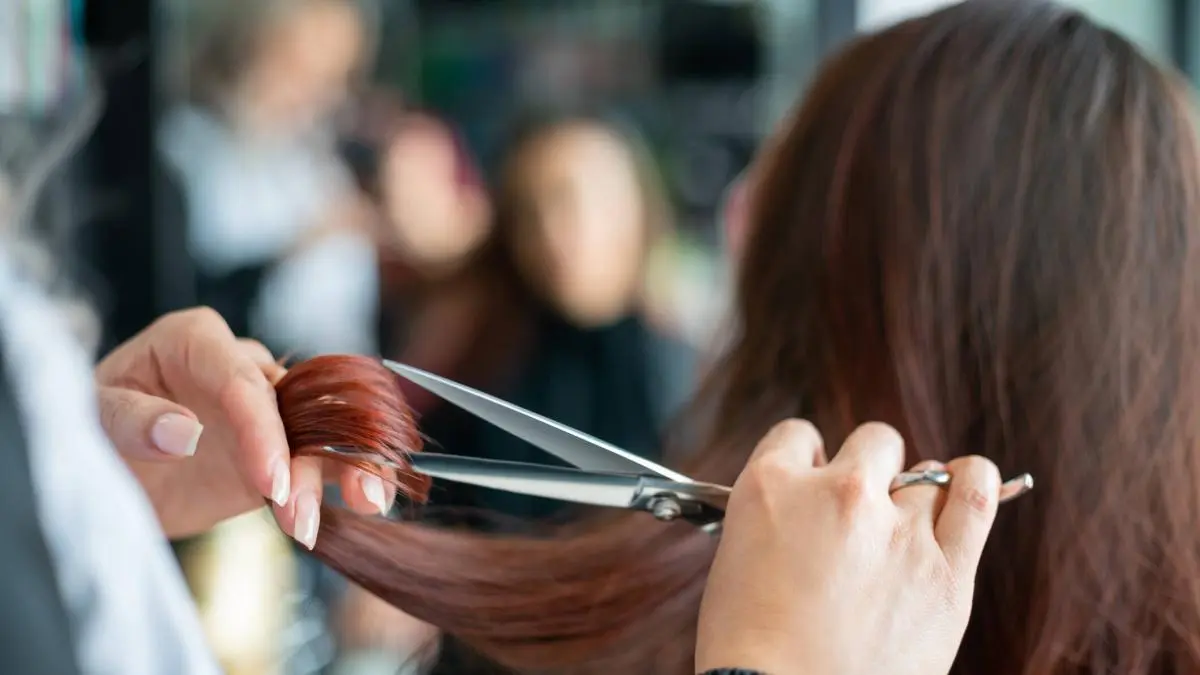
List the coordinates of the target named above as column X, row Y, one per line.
column 665, row 509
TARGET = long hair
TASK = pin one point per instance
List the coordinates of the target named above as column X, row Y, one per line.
column 981, row 228
column 506, row 300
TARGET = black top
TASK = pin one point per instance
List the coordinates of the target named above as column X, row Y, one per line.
column 621, row 383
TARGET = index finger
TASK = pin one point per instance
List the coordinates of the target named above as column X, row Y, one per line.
column 876, row 451
column 966, row 520
column 793, row 442
column 209, row 357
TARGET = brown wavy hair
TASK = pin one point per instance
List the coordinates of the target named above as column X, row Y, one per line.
column 981, row 228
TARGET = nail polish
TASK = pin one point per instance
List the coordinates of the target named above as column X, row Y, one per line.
column 281, row 483
column 175, row 434
column 308, row 517
column 372, row 487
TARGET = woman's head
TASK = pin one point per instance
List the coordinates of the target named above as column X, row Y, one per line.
column 982, row 227
column 277, row 65
column 432, row 197
column 579, row 205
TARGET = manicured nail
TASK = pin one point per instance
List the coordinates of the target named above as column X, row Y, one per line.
column 176, row 434
column 308, row 517
column 281, row 483
column 372, row 487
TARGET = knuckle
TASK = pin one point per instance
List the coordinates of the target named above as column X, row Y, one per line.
column 928, row 465
column 794, row 429
column 255, row 350
column 757, row 493
column 767, row 472
column 792, row 442
column 974, row 499
column 880, row 433
column 849, row 488
column 175, row 318
column 242, row 379
column 204, row 317
column 182, row 328
column 252, row 344
column 975, row 479
column 903, row 534
column 766, row 476
column 114, row 408
column 191, row 319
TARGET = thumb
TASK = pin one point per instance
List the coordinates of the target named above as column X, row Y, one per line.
column 142, row 426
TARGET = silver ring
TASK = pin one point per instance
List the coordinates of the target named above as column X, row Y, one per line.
column 928, row 477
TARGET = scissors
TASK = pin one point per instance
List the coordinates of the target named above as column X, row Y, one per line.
column 604, row 475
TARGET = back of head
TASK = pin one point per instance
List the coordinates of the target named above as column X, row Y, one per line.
column 982, row 228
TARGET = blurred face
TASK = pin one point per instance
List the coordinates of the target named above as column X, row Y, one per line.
column 303, row 68
column 581, row 226
column 440, row 213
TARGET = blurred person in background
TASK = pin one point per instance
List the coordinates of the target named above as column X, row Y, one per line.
column 536, row 297
column 282, row 247
column 277, row 231
column 554, row 304
column 435, row 215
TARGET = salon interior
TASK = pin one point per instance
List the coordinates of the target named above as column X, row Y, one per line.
column 531, row 196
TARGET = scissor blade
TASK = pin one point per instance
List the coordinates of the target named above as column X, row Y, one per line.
column 560, row 483
column 569, row 445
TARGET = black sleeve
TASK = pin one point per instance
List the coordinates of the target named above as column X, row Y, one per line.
column 35, row 630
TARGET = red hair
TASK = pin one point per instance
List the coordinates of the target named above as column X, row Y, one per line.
column 355, row 402
column 578, row 598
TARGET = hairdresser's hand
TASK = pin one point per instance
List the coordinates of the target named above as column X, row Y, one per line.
column 192, row 409
column 819, row 570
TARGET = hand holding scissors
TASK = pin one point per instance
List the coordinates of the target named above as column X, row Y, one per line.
column 813, row 559
column 826, row 569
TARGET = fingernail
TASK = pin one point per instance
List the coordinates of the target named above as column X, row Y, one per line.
column 281, row 483
column 308, row 517
column 372, row 487
column 176, row 434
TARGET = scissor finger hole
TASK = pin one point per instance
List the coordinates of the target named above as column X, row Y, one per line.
column 921, row 489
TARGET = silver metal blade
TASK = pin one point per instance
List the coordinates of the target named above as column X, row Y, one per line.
column 563, row 484
column 358, row 455
column 570, row 445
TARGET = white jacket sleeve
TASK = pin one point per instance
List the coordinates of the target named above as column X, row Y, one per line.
column 130, row 610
